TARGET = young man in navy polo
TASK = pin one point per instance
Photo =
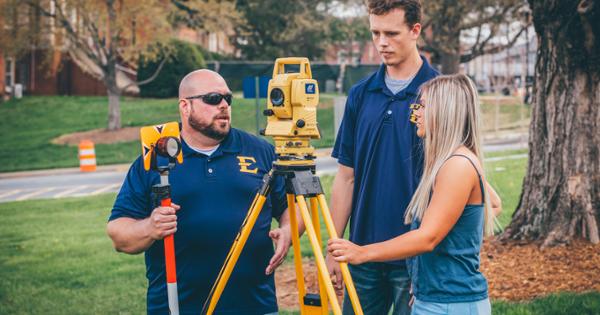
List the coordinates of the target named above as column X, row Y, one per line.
column 211, row 192
column 380, row 155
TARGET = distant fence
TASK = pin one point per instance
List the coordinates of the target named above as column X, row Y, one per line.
column 331, row 77
column 353, row 74
column 502, row 116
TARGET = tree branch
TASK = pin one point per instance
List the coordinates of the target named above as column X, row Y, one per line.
column 477, row 48
column 64, row 22
column 430, row 45
column 584, row 8
column 126, row 69
column 150, row 79
column 478, row 38
column 426, row 25
column 40, row 8
column 95, row 35
column 113, row 32
column 482, row 50
column 489, row 18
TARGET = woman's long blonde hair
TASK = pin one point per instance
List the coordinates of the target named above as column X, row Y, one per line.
column 452, row 119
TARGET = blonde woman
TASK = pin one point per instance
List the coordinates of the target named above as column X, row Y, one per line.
column 450, row 211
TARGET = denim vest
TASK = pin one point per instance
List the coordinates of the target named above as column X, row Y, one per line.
column 450, row 273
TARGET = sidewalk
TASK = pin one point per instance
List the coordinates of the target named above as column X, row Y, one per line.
column 64, row 171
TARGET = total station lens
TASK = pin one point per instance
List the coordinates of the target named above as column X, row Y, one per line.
column 277, row 97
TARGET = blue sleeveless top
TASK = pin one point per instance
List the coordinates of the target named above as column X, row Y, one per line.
column 450, row 273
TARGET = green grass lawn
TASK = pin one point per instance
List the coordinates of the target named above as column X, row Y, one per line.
column 555, row 304
column 509, row 116
column 56, row 258
column 506, row 176
column 32, row 122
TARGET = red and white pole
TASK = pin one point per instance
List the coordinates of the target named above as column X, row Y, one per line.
column 170, row 267
column 163, row 191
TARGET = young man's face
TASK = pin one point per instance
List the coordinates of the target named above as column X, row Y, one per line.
column 392, row 37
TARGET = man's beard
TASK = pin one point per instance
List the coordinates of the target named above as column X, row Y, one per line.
column 210, row 130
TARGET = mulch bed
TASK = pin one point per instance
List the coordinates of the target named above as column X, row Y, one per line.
column 124, row 134
column 523, row 272
column 514, row 272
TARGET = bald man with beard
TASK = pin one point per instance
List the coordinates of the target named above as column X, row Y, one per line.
column 211, row 192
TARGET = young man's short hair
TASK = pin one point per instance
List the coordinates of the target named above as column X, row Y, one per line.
column 411, row 8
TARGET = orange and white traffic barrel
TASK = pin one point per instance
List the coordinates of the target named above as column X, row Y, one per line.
column 87, row 156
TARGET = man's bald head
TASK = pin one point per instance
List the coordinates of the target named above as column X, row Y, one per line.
column 201, row 82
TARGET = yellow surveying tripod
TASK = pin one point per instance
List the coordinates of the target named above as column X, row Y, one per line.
column 292, row 122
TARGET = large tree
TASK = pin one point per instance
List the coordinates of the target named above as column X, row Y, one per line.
column 456, row 32
column 348, row 32
column 561, row 191
column 276, row 28
column 106, row 38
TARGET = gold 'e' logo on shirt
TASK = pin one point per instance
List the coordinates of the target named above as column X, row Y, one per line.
column 246, row 161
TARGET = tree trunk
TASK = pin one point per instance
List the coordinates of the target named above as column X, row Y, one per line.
column 560, row 200
column 110, row 71
column 114, row 105
column 447, row 36
column 450, row 62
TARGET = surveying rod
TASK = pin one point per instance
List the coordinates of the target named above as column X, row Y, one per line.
column 163, row 140
column 170, row 147
column 163, row 192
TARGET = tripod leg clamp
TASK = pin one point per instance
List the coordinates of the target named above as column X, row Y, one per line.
column 304, row 183
column 265, row 189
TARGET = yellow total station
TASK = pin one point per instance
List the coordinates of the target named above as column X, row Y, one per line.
column 292, row 108
column 292, row 122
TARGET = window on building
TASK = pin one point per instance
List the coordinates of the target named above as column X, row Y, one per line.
column 8, row 75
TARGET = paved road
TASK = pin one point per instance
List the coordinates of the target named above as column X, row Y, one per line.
column 71, row 183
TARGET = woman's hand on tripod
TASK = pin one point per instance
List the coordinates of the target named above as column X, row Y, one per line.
column 345, row 251
column 282, row 238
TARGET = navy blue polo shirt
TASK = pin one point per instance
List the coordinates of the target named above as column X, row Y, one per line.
column 215, row 194
column 379, row 142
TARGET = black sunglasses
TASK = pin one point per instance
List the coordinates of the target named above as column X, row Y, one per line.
column 213, row 98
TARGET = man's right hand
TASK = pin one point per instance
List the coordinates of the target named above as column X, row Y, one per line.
column 162, row 222
column 336, row 274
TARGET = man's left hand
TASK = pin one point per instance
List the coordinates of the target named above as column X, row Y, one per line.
column 282, row 239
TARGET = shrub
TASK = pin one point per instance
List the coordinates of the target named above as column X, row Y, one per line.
column 184, row 58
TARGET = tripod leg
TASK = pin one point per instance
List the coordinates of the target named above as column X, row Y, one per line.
column 316, row 247
column 343, row 266
column 296, row 246
column 314, row 214
column 234, row 252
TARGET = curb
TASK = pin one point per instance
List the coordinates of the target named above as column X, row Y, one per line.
column 319, row 153
column 65, row 171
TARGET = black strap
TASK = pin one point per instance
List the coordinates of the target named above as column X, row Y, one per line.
column 478, row 175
